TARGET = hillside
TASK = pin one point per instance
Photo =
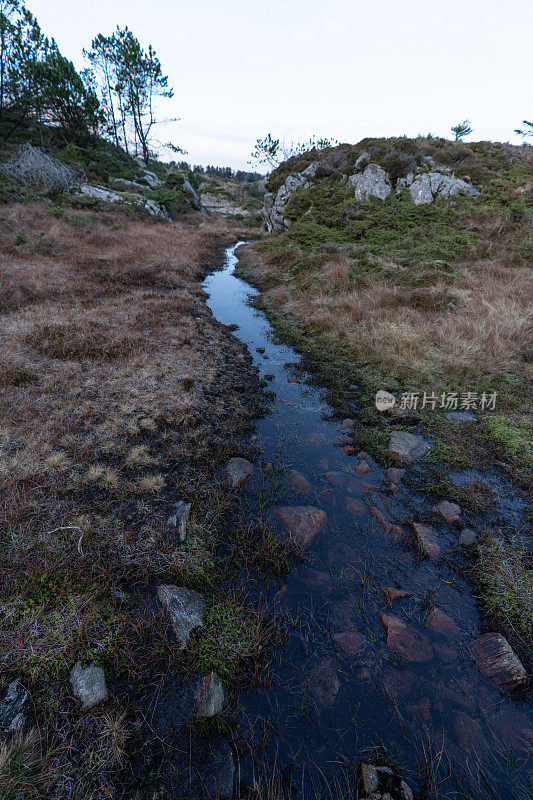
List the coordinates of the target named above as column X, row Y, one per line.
column 402, row 295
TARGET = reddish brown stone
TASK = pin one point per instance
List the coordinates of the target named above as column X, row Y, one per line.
column 404, row 558
column 352, row 643
column 292, row 379
column 468, row 733
column 342, row 441
column 355, row 507
column 398, row 683
column 423, row 708
column 302, row 522
column 317, row 437
column 387, row 526
column 323, row 684
column 390, row 594
column 498, row 662
column 405, row 639
column 445, row 652
column 362, row 468
column 427, row 540
column 298, row 481
column 348, row 450
column 450, row 511
column 346, row 425
column 335, row 478
column 441, row 622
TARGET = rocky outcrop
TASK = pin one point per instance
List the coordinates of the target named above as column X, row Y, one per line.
column 372, row 182
column 429, row 186
column 426, row 183
column 275, row 205
column 103, row 195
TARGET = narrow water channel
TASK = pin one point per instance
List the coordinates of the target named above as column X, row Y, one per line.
column 337, row 691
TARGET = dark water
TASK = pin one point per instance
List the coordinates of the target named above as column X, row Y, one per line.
column 326, row 704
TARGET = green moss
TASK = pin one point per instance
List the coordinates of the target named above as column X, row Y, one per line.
column 511, row 435
column 505, row 582
column 229, row 634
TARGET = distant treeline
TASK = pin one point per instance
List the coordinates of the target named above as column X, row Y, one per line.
column 241, row 176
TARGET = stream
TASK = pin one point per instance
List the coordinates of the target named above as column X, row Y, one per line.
column 336, row 691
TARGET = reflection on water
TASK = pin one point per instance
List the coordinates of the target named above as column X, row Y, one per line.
column 337, row 689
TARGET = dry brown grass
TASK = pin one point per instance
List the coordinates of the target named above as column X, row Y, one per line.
column 478, row 325
column 116, row 394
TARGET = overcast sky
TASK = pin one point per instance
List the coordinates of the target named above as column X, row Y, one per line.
column 341, row 68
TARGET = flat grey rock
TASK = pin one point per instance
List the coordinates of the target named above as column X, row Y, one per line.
column 88, row 684
column 178, row 519
column 406, row 447
column 186, row 610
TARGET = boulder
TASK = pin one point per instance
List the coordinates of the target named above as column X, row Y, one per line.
column 497, row 661
column 429, row 186
column 451, row 512
column 406, row 640
column 380, row 782
column 238, row 470
column 178, row 519
column 88, row 684
column 113, row 198
column 405, row 447
column 372, row 182
column 151, row 179
column 302, row 522
column 298, row 481
column 14, row 710
column 186, row 610
column 427, row 540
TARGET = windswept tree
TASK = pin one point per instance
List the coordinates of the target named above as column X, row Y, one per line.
column 39, row 86
column 130, row 80
column 273, row 152
column 461, row 130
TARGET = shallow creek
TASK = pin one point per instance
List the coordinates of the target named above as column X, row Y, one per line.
column 337, row 690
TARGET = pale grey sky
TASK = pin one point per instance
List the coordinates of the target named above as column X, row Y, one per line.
column 343, row 69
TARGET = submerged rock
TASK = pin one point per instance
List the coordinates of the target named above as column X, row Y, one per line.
column 406, row 640
column 427, row 540
column 405, row 447
column 441, row 622
column 88, row 684
column 14, row 710
column 186, row 609
column 302, row 522
column 391, row 594
column 238, row 471
column 352, row 643
column 298, row 481
column 451, row 512
column 323, row 684
column 497, row 661
column 387, row 526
